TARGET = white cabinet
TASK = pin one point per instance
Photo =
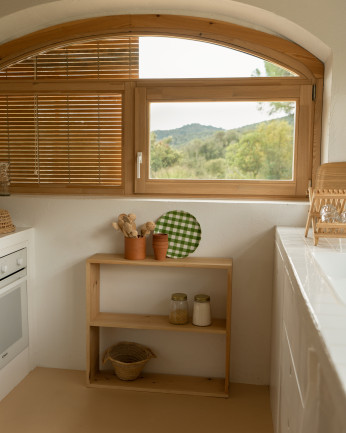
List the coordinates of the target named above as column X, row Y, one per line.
column 276, row 337
column 291, row 405
column 303, row 390
column 329, row 416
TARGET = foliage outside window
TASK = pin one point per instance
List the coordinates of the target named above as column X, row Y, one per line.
column 74, row 118
column 262, row 150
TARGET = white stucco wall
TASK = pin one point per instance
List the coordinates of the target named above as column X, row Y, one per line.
column 70, row 229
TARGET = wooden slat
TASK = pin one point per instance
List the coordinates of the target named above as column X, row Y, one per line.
column 115, row 58
column 62, row 139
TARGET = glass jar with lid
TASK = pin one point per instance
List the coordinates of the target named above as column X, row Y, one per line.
column 201, row 310
column 178, row 314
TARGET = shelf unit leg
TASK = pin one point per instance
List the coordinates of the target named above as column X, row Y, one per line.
column 228, row 329
column 93, row 353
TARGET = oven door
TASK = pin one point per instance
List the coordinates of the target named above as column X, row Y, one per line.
column 13, row 321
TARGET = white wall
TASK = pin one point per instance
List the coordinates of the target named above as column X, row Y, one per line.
column 68, row 230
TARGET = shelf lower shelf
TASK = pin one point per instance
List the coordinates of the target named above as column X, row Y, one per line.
column 164, row 383
column 153, row 322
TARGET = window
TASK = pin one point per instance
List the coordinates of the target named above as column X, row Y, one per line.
column 160, row 112
column 247, row 159
column 222, row 140
column 64, row 140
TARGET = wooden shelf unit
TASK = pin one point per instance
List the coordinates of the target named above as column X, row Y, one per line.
column 216, row 387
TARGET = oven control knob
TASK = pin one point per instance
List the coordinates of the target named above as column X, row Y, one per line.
column 4, row 269
column 20, row 262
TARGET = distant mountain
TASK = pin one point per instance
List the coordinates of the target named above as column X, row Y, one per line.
column 183, row 135
column 187, row 133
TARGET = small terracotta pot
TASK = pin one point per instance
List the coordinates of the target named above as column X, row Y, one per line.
column 160, row 245
column 135, row 248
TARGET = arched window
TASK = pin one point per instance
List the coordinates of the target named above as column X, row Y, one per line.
column 160, row 109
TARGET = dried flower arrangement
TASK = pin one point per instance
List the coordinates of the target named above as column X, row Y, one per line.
column 127, row 225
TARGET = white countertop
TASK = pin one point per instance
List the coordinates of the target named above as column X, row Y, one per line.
column 326, row 307
column 10, row 241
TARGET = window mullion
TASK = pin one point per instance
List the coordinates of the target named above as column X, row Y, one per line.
column 68, row 139
column 37, row 140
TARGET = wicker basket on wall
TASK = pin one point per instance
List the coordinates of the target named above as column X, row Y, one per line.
column 6, row 225
column 128, row 359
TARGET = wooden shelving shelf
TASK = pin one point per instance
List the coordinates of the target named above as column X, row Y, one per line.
column 188, row 262
column 216, row 387
column 166, row 383
column 154, row 322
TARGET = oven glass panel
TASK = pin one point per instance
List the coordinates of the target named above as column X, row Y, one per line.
column 10, row 318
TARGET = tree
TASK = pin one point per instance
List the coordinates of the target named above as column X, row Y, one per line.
column 272, row 70
column 265, row 153
column 161, row 154
column 216, row 168
column 249, row 157
column 278, row 150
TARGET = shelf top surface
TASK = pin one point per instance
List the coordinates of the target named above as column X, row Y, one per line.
column 188, row 262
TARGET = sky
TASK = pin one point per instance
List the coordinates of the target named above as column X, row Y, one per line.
column 226, row 115
column 161, row 57
column 180, row 58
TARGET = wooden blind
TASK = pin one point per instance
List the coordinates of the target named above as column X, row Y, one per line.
column 17, row 137
column 111, row 58
column 62, row 139
column 19, row 71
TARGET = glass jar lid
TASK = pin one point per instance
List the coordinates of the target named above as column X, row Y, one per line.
column 202, row 298
column 179, row 297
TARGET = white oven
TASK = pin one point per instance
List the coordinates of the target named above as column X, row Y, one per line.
column 13, row 305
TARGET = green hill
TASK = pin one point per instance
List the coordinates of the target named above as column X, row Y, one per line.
column 186, row 133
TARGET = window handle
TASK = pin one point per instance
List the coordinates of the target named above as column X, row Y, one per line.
column 139, row 162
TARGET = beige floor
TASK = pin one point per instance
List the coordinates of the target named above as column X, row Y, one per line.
column 57, row 401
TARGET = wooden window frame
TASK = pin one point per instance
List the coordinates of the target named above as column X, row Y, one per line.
column 233, row 90
column 137, row 93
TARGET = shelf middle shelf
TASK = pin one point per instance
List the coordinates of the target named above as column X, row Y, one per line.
column 154, row 322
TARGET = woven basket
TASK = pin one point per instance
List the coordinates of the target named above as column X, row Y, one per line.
column 128, row 359
column 6, row 225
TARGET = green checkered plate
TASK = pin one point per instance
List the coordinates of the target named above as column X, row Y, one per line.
column 184, row 232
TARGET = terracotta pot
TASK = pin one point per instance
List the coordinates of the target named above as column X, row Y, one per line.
column 160, row 245
column 135, row 248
